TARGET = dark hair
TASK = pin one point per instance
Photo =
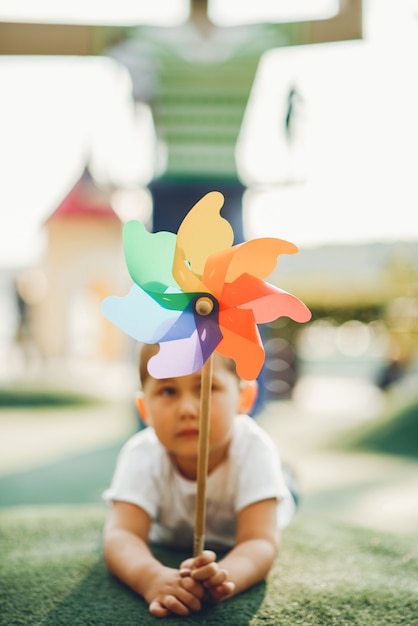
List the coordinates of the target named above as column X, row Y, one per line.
column 148, row 350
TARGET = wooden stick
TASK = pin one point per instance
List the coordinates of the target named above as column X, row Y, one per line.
column 202, row 459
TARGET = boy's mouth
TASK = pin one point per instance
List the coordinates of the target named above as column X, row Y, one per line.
column 189, row 432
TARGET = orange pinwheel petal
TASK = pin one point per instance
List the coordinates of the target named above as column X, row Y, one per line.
column 202, row 233
column 265, row 301
column 241, row 342
column 257, row 257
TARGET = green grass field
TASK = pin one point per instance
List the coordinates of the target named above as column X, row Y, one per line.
column 52, row 574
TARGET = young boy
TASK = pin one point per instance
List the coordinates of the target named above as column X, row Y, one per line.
column 153, row 492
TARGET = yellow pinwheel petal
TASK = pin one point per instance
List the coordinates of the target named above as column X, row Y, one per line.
column 203, row 232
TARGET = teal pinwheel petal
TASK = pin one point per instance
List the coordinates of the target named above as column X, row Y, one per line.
column 140, row 316
column 149, row 257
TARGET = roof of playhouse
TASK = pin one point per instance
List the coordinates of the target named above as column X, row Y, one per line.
column 86, row 199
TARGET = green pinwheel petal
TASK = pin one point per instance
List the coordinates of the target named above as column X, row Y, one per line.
column 175, row 301
column 149, row 256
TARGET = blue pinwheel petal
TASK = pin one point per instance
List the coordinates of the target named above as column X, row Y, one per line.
column 183, row 327
column 138, row 315
column 182, row 356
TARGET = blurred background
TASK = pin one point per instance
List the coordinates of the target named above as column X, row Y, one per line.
column 303, row 113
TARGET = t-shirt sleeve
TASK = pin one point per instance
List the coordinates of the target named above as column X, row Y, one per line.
column 260, row 477
column 134, row 479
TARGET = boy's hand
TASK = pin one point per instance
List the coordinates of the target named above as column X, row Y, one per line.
column 204, row 569
column 170, row 592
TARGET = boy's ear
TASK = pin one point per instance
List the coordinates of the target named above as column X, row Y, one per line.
column 140, row 406
column 248, row 396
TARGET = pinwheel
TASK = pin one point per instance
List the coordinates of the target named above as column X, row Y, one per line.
column 195, row 293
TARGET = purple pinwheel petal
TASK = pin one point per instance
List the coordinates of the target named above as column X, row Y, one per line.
column 180, row 357
column 208, row 331
column 138, row 315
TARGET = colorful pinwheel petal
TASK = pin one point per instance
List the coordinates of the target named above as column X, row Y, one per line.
column 196, row 293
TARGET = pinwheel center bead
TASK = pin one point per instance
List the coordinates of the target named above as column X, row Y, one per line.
column 204, row 306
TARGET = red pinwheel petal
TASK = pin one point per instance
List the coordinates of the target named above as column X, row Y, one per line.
column 266, row 301
column 241, row 342
column 257, row 257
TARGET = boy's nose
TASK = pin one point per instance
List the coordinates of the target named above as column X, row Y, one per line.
column 189, row 406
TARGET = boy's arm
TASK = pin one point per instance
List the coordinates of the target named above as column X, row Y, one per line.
column 257, row 544
column 128, row 557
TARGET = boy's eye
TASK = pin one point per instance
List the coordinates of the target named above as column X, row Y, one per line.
column 167, row 391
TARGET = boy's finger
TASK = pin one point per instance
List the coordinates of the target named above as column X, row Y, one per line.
column 158, row 610
column 222, row 591
column 193, row 586
column 207, row 556
column 187, row 564
column 185, row 571
column 219, row 577
column 205, row 572
column 179, row 606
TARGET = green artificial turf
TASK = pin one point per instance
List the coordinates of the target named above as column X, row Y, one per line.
column 52, row 574
column 77, row 479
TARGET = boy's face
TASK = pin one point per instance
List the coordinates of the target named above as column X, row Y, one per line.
column 172, row 407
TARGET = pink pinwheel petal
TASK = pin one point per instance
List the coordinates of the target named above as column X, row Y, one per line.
column 241, row 342
column 202, row 233
column 265, row 301
column 257, row 257
column 278, row 304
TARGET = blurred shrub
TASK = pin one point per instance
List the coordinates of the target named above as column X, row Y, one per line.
column 393, row 433
column 38, row 398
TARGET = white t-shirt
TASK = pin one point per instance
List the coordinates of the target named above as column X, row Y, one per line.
column 146, row 476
